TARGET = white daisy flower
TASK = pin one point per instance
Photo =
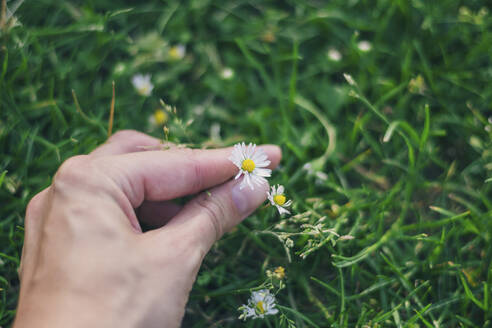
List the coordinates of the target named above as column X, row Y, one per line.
column 334, row 55
column 277, row 198
column 364, row 46
column 260, row 304
column 142, row 84
column 252, row 164
column 177, row 52
column 227, row 73
column 158, row 118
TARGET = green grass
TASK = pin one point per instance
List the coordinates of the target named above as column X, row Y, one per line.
column 405, row 154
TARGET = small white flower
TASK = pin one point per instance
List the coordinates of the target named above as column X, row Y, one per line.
column 158, row 119
column 142, row 84
column 177, row 52
column 252, row 164
column 308, row 167
column 334, row 55
column 120, row 68
column 277, row 198
column 227, row 73
column 364, row 46
column 260, row 304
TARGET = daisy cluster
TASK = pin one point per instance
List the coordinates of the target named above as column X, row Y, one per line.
column 252, row 163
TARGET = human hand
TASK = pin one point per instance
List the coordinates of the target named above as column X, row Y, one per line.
column 86, row 262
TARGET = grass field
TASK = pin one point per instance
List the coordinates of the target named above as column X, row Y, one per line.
column 400, row 159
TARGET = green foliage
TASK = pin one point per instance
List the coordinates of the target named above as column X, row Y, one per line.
column 401, row 160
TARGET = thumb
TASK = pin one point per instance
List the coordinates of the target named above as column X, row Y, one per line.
column 212, row 213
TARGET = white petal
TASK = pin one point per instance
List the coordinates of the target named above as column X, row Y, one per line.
column 259, row 295
column 259, row 155
column 262, row 172
column 248, row 151
column 262, row 164
column 280, row 189
column 238, row 174
column 253, row 150
column 284, row 211
column 259, row 181
column 269, row 299
column 235, row 161
column 248, row 177
column 281, row 210
column 244, row 182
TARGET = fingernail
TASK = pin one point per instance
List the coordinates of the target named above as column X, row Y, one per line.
column 246, row 200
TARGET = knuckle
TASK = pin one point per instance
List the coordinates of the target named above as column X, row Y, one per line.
column 214, row 212
column 124, row 135
column 73, row 171
column 34, row 207
column 194, row 171
column 34, row 204
column 197, row 174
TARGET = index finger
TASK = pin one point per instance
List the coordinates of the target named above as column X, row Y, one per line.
column 165, row 175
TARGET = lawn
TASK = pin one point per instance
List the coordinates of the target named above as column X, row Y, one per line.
column 383, row 110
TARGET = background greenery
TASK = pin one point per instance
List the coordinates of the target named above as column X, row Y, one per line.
column 409, row 183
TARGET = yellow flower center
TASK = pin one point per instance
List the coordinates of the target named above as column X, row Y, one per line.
column 160, row 117
column 175, row 53
column 260, row 308
column 144, row 90
column 279, row 199
column 248, row 165
column 279, row 272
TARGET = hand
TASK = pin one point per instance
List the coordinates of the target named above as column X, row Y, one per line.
column 86, row 262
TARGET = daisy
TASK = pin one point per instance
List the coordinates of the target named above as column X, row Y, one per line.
column 177, row 52
column 364, row 46
column 277, row 198
column 142, row 84
column 227, row 73
column 252, row 164
column 334, row 55
column 158, row 119
column 260, row 304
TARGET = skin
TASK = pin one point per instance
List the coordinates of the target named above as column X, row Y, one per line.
column 86, row 262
